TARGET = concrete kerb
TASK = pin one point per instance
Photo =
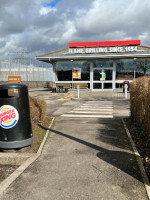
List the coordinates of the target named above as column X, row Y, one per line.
column 25, row 161
column 142, row 170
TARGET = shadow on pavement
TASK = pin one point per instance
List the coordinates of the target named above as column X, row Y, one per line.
column 108, row 134
column 123, row 161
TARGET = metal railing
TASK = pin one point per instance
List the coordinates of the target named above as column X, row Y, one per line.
column 27, row 72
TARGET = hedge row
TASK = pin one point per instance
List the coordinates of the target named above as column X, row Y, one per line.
column 140, row 103
column 37, row 111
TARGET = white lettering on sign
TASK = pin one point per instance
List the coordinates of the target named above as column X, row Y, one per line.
column 104, row 50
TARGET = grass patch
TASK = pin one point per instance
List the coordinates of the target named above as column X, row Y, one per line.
column 39, row 120
column 6, row 170
column 39, row 134
column 37, row 111
column 40, row 123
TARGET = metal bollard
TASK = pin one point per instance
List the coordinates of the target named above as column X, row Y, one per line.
column 78, row 91
column 126, row 91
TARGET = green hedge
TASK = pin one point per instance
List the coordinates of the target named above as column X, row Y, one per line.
column 140, row 103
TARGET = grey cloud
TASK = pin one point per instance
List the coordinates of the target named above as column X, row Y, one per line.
column 130, row 18
column 22, row 25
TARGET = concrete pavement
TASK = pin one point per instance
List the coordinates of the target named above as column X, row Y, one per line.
column 84, row 158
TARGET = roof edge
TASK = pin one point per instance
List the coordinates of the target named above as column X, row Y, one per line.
column 51, row 53
column 105, row 43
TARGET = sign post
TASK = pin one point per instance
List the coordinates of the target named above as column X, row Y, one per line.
column 14, row 79
column 126, row 92
column 78, row 91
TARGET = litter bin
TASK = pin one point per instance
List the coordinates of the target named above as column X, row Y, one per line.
column 15, row 122
column 128, row 86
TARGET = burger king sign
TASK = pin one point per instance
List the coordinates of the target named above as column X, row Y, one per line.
column 8, row 116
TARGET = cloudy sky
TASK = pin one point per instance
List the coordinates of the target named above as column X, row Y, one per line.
column 42, row 26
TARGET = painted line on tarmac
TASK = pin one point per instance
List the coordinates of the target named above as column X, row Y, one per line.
column 64, row 99
column 98, row 103
column 45, row 98
column 102, row 105
column 103, row 101
column 140, row 164
column 88, row 116
column 69, row 97
column 91, row 111
column 86, row 111
column 102, row 109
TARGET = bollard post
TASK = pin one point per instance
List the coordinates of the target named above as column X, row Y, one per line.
column 78, row 91
column 126, row 92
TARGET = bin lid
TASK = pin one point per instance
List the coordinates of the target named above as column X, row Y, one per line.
column 12, row 85
column 126, row 82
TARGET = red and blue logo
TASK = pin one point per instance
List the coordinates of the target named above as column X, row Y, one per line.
column 8, row 116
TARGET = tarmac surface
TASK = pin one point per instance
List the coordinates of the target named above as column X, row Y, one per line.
column 87, row 156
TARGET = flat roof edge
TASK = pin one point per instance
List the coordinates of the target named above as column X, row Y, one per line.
column 50, row 53
column 93, row 57
column 105, row 43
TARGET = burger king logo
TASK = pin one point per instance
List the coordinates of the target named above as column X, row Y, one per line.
column 8, row 116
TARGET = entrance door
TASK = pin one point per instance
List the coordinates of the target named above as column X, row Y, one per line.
column 102, row 78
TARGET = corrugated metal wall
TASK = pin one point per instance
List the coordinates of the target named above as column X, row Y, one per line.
column 27, row 72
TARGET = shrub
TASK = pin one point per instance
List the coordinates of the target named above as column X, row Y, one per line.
column 140, row 104
column 37, row 111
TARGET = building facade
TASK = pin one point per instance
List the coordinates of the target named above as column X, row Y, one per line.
column 99, row 65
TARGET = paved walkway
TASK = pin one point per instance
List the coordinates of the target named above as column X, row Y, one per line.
column 85, row 158
column 92, row 109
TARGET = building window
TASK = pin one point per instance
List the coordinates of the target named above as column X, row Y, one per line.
column 102, row 63
column 142, row 68
column 130, row 69
column 107, row 85
column 64, row 71
column 83, row 68
column 125, row 70
column 97, row 86
column 72, row 71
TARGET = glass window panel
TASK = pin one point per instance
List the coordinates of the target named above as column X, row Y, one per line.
column 142, row 68
column 64, row 71
column 81, row 85
column 97, row 74
column 108, row 74
column 65, row 85
column 81, row 71
column 107, row 85
column 97, row 86
column 72, row 70
column 125, row 70
column 118, row 85
column 102, row 63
